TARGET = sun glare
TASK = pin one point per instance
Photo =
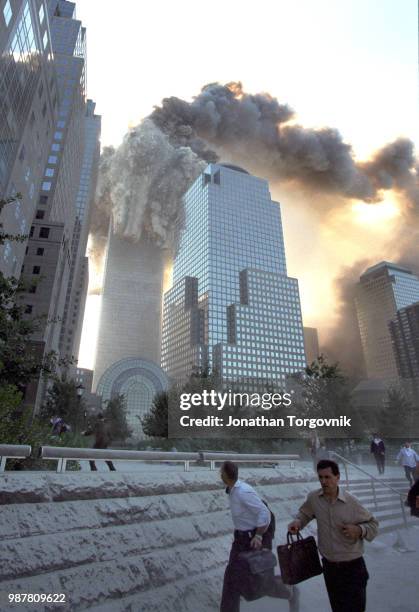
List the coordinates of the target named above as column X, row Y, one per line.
column 372, row 214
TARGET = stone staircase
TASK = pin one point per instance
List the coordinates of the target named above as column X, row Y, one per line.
column 138, row 541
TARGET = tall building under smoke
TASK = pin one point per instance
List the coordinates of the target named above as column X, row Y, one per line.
column 311, row 343
column 128, row 345
column 404, row 330
column 382, row 290
column 232, row 306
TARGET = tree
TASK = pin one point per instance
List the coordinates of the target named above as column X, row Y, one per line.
column 115, row 414
column 324, row 392
column 63, row 400
column 10, row 237
column 399, row 419
column 156, row 422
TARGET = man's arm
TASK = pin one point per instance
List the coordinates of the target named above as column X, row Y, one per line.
column 261, row 514
column 367, row 523
column 304, row 515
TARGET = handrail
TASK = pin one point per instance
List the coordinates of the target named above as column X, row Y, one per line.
column 384, row 484
column 13, row 451
column 373, row 479
column 63, row 454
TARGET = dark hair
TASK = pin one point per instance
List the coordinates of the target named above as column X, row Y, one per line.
column 230, row 469
column 99, row 415
column 328, row 463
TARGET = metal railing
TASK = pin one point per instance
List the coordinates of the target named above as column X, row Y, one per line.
column 63, row 454
column 214, row 457
column 373, row 480
column 13, row 451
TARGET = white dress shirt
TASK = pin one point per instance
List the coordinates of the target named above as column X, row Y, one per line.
column 408, row 457
column 247, row 509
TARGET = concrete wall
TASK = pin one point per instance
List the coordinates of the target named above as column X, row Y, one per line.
column 127, row 541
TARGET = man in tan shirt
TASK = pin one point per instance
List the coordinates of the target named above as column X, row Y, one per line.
column 342, row 525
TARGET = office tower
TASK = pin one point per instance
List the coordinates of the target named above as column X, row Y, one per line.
column 311, row 343
column 130, row 318
column 232, row 307
column 47, row 263
column 382, row 290
column 79, row 269
column 404, row 331
column 28, row 112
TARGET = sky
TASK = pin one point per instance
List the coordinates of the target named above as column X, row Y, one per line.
column 350, row 65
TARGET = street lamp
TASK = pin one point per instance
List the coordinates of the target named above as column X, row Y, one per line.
column 80, row 391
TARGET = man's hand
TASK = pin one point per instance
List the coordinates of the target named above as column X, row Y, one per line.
column 256, row 542
column 295, row 526
column 352, row 532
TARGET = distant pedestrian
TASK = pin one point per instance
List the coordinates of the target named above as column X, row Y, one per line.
column 379, row 451
column 408, row 457
column 342, row 526
column 413, row 499
column 103, row 438
column 253, row 530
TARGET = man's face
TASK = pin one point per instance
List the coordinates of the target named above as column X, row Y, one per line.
column 329, row 482
column 407, row 444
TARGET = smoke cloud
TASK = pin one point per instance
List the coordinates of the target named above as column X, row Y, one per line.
column 141, row 183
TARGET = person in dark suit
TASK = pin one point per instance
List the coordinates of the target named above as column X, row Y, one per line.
column 103, row 438
column 379, row 451
column 413, row 499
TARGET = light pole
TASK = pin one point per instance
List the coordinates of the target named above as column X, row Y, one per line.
column 80, row 391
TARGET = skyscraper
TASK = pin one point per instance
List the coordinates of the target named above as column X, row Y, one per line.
column 382, row 290
column 311, row 343
column 232, row 306
column 28, row 112
column 404, row 331
column 130, row 317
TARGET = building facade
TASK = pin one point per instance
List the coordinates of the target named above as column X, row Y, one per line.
column 48, row 259
column 404, row 331
column 79, row 268
column 28, row 113
column 130, row 317
column 232, row 307
column 382, row 290
column 311, row 343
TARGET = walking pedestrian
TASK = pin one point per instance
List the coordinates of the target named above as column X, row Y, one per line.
column 103, row 438
column 343, row 524
column 408, row 457
column 379, row 451
column 252, row 522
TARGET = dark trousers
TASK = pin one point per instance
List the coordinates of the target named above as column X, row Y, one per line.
column 346, row 584
column 380, row 461
column 410, row 474
column 108, row 463
column 233, row 576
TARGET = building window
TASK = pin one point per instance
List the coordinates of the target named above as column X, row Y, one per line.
column 43, row 199
column 41, row 89
column 44, row 232
column 31, row 232
column 28, row 308
column 40, row 251
column 45, row 39
column 40, row 214
column 7, row 12
column 58, row 135
column 32, row 289
column 55, row 147
column 46, row 186
column 22, row 153
column 52, row 159
column 41, row 13
column 44, row 109
column 49, row 172
column 36, row 270
column 61, row 124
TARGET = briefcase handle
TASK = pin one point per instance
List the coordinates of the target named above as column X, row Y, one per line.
column 291, row 535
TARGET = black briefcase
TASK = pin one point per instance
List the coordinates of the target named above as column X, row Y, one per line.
column 299, row 560
column 255, row 570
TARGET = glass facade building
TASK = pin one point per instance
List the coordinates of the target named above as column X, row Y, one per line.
column 28, row 111
column 232, row 306
column 382, row 290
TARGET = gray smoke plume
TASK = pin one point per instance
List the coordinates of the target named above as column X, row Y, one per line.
column 142, row 182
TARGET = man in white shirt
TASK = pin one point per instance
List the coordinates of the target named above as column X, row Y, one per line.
column 407, row 457
column 251, row 520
